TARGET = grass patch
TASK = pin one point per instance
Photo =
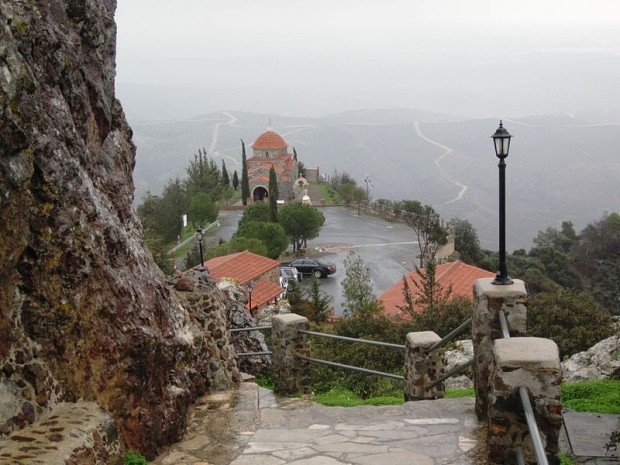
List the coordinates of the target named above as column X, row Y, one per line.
column 456, row 393
column 330, row 196
column 601, row 396
column 338, row 397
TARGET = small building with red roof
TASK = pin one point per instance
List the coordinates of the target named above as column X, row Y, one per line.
column 270, row 149
column 249, row 268
column 459, row 275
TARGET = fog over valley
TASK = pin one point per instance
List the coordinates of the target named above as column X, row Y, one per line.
column 407, row 94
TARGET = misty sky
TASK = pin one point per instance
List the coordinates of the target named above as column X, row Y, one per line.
column 476, row 58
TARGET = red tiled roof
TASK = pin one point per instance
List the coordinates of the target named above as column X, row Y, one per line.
column 242, row 266
column 258, row 178
column 263, row 291
column 459, row 275
column 269, row 141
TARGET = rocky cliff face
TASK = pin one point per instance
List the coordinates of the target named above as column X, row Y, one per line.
column 84, row 311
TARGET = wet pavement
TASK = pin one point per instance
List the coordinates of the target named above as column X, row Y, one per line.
column 249, row 426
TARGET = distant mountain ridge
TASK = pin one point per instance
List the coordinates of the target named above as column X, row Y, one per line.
column 560, row 167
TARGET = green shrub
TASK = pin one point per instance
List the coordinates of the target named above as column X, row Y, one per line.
column 133, row 458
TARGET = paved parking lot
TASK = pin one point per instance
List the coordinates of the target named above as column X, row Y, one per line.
column 389, row 249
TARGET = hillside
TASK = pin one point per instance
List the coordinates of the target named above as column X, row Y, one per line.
column 560, row 166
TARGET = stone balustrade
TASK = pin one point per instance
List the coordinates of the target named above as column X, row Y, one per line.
column 423, row 368
column 502, row 366
column 291, row 374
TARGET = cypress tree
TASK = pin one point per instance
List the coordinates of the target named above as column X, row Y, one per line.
column 273, row 195
column 245, row 182
column 225, row 178
column 235, row 181
column 295, row 154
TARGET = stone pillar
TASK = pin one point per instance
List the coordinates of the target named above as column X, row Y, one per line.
column 489, row 299
column 533, row 363
column 291, row 375
column 422, row 368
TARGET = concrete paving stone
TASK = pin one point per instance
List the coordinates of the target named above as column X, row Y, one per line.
column 397, row 435
column 319, row 461
column 294, row 454
column 380, row 426
column 288, row 435
column 332, row 439
column 257, row 460
column 432, row 421
column 467, row 443
column 317, row 426
column 439, row 445
column 352, row 447
column 394, row 458
column 264, row 446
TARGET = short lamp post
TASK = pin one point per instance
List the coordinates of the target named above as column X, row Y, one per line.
column 199, row 235
column 250, row 288
column 501, row 139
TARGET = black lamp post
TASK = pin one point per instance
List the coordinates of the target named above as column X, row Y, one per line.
column 501, row 139
column 199, row 235
column 250, row 288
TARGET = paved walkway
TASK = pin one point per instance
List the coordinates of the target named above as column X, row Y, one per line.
column 250, row 427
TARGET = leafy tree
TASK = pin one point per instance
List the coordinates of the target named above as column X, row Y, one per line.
column 245, row 182
column 426, row 223
column 376, row 327
column 444, row 316
column 574, row 320
column 357, row 288
column 270, row 234
column 466, row 241
column 597, row 256
column 203, row 175
column 225, row 177
column 562, row 240
column 157, row 247
column 301, row 169
column 320, row 302
column 235, row 180
column 202, row 210
column 173, row 204
column 430, row 293
column 301, row 222
column 273, row 195
column 257, row 212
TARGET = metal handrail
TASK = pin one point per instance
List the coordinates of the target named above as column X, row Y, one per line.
column 530, row 419
column 454, row 371
column 255, row 328
column 450, row 336
column 353, row 368
column 249, row 354
column 352, row 339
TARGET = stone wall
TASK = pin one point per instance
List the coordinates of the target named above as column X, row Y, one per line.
column 84, row 311
column 290, row 373
column 423, row 368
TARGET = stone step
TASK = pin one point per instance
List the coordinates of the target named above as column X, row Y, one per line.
column 72, row 434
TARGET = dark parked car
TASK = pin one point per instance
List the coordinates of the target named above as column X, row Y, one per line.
column 314, row 266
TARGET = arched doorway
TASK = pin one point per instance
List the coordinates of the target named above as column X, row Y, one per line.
column 260, row 194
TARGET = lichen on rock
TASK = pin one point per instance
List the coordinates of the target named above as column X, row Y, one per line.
column 84, row 311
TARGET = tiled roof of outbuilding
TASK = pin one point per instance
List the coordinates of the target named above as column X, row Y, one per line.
column 459, row 275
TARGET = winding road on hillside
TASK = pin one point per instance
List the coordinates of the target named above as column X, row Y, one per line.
column 462, row 187
column 232, row 119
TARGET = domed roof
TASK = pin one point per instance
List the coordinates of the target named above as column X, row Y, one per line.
column 269, row 141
